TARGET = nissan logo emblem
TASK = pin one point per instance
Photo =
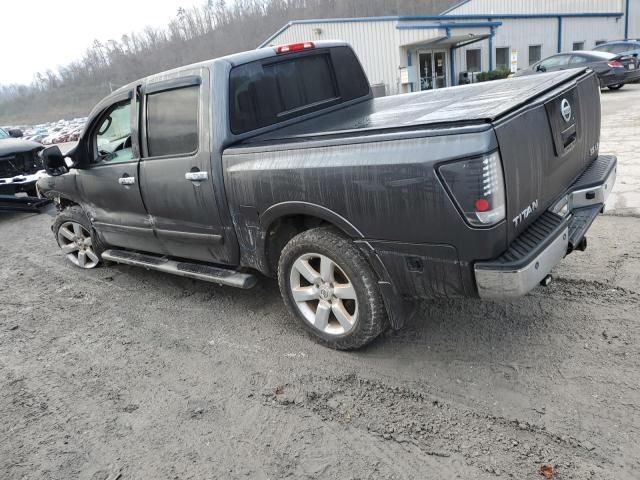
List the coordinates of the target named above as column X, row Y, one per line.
column 565, row 109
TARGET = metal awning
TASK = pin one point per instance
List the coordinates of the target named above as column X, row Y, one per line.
column 444, row 41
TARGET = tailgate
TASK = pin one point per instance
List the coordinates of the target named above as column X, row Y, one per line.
column 545, row 146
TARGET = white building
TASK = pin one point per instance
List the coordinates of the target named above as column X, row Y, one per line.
column 409, row 53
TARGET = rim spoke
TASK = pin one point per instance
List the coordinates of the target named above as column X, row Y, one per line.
column 68, row 234
column 326, row 269
column 341, row 315
column 303, row 267
column 322, row 315
column 92, row 256
column 77, row 229
column 344, row 291
column 69, row 248
column 82, row 259
column 304, row 294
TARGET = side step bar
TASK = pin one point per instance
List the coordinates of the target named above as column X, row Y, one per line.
column 198, row 271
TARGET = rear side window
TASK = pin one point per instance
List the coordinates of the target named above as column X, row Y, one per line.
column 172, row 122
column 266, row 92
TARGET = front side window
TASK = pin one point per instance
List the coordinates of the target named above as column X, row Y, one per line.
column 535, row 53
column 113, row 135
column 503, row 58
column 554, row 62
column 473, row 60
column 578, row 46
column 172, row 121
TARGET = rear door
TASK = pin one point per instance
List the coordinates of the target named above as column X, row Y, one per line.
column 175, row 172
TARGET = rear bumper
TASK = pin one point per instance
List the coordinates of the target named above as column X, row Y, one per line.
column 613, row 77
column 558, row 231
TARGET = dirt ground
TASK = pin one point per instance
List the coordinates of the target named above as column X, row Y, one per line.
column 121, row 373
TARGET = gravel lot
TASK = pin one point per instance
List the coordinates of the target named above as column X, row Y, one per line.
column 121, row 373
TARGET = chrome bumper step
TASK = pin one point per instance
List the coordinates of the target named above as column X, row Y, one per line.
column 197, row 271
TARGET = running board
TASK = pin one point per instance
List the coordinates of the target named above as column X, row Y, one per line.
column 198, row 271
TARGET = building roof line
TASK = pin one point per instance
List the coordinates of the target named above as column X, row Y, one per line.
column 450, row 25
column 401, row 18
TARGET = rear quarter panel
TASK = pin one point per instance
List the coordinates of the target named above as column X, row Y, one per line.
column 388, row 190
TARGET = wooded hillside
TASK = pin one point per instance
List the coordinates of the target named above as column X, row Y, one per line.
column 211, row 30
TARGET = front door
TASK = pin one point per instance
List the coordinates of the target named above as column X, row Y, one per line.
column 433, row 69
column 109, row 183
column 175, row 172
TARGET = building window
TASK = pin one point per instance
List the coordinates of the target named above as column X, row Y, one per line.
column 578, row 46
column 503, row 58
column 474, row 62
column 535, row 53
column 600, row 42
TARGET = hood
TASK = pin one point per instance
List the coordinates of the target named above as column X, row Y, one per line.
column 10, row 146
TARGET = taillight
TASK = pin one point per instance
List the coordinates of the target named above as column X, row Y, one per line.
column 294, row 47
column 614, row 64
column 477, row 187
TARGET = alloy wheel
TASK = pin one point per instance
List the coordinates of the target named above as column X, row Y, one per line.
column 324, row 294
column 75, row 242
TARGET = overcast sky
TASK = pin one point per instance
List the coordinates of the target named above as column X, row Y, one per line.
column 39, row 34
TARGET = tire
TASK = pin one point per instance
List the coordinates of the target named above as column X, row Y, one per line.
column 337, row 298
column 618, row 86
column 75, row 238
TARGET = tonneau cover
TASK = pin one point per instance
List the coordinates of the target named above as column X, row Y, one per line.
column 478, row 102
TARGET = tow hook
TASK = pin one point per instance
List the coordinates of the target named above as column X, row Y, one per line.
column 546, row 281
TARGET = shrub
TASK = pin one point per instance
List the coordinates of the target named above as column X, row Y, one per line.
column 493, row 75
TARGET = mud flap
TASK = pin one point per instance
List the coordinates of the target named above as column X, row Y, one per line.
column 398, row 309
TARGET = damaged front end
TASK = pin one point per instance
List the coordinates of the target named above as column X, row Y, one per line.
column 20, row 167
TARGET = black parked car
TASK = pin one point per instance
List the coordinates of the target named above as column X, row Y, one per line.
column 613, row 70
column 620, row 47
column 629, row 48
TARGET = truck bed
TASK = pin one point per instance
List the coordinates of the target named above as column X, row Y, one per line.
column 475, row 103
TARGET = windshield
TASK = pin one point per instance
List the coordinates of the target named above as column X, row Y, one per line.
column 3, row 134
column 614, row 47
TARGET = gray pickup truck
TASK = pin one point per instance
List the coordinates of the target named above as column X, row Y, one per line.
column 278, row 161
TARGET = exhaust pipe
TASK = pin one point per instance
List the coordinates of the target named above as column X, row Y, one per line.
column 546, row 281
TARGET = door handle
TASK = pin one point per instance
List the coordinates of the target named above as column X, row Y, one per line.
column 127, row 180
column 196, row 176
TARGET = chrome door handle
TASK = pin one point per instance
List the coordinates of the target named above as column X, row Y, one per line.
column 196, row 176
column 127, row 180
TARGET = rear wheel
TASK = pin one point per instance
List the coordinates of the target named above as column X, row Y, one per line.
column 616, row 87
column 327, row 283
column 73, row 233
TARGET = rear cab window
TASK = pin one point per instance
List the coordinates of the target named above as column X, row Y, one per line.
column 276, row 89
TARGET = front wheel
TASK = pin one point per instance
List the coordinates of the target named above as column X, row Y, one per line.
column 73, row 233
column 618, row 86
column 327, row 283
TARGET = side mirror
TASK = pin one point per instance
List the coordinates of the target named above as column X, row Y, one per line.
column 54, row 162
column 15, row 133
column 541, row 68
